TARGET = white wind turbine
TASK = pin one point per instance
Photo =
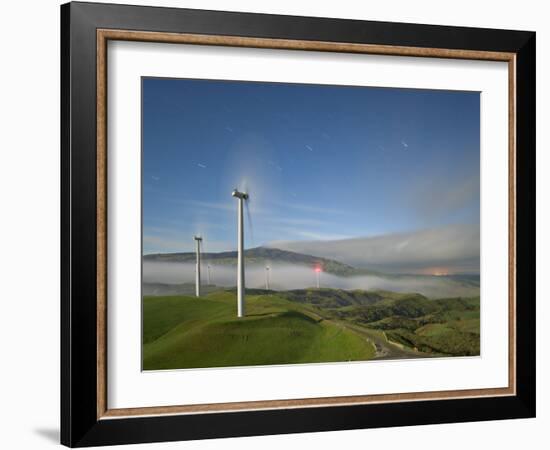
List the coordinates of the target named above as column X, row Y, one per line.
column 267, row 269
column 318, row 276
column 198, row 240
column 241, row 197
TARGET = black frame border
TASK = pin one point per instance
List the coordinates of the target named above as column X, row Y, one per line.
column 79, row 424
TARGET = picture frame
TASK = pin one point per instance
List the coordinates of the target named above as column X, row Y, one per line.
column 86, row 418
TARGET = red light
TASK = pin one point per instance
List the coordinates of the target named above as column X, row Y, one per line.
column 317, row 269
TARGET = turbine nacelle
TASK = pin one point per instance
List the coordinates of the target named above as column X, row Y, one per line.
column 238, row 194
column 197, row 238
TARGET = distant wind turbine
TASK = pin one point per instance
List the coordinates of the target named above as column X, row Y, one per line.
column 208, row 267
column 198, row 240
column 318, row 274
column 267, row 278
column 241, row 197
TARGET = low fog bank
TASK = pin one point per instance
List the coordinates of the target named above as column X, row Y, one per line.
column 286, row 277
column 455, row 247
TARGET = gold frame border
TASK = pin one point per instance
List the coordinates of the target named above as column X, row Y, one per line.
column 104, row 35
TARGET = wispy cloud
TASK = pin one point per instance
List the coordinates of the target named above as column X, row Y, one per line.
column 153, row 243
column 211, row 205
column 179, row 238
column 202, row 166
column 230, row 205
column 297, row 221
column 309, row 147
column 404, row 144
column 443, row 196
column 310, row 208
column 153, row 229
column 319, row 235
column 154, row 178
column 170, row 244
column 277, row 166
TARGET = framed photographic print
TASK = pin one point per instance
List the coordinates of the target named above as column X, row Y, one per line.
column 276, row 224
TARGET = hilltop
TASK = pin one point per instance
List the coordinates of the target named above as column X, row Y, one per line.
column 186, row 332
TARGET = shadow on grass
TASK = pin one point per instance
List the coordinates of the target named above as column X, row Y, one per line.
column 262, row 314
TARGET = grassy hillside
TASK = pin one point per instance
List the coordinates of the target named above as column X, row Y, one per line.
column 443, row 326
column 164, row 289
column 447, row 326
column 187, row 332
column 304, row 326
column 333, row 298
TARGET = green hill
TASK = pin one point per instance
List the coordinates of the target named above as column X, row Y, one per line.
column 448, row 326
column 329, row 298
column 190, row 332
column 304, row 326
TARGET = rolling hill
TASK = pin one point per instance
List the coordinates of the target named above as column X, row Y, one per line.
column 190, row 332
column 304, row 326
column 449, row 326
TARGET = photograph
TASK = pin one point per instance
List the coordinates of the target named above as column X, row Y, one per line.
column 289, row 223
column 281, row 223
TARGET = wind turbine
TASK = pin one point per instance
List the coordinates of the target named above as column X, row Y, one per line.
column 198, row 240
column 208, row 273
column 241, row 197
column 267, row 278
column 318, row 274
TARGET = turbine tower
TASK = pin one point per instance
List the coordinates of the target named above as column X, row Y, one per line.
column 241, row 197
column 318, row 273
column 267, row 278
column 208, row 273
column 198, row 240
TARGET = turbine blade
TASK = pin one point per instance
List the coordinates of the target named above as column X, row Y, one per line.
column 249, row 220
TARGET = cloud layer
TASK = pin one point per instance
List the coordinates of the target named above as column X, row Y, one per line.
column 453, row 249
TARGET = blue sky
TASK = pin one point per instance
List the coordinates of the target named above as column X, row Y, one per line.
column 319, row 162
